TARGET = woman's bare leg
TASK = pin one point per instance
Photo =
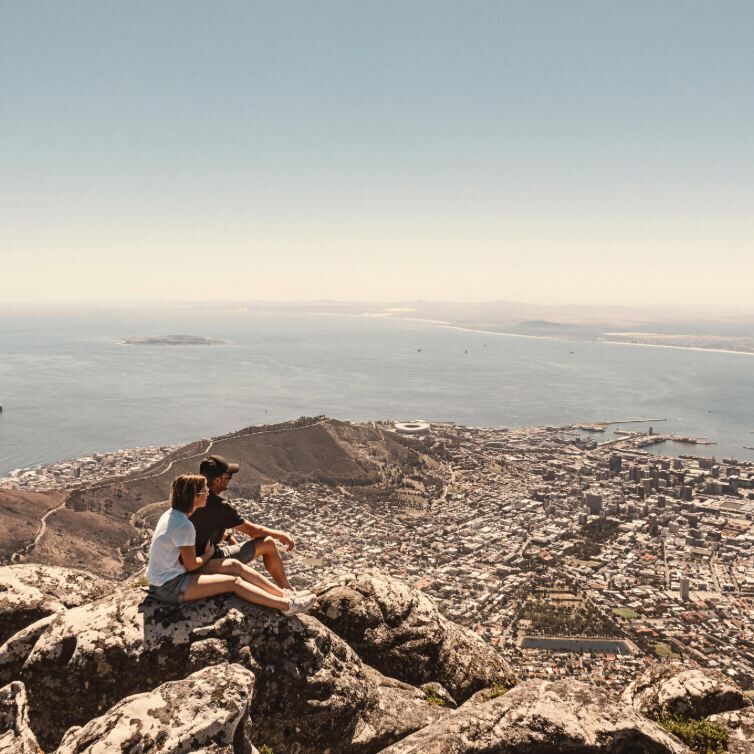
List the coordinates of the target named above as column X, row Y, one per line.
column 202, row 586
column 208, row 585
column 247, row 573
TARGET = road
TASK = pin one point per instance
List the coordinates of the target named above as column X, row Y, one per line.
column 99, row 485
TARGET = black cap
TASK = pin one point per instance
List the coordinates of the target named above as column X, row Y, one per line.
column 213, row 466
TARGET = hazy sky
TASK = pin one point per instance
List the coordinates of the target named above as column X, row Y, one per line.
column 562, row 151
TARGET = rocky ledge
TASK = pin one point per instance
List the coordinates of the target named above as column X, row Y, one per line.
column 377, row 668
column 29, row 592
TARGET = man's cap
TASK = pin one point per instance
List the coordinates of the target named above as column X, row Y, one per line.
column 213, row 466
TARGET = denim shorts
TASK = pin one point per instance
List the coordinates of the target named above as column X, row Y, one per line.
column 171, row 591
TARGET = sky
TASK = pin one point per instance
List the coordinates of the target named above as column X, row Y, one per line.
column 547, row 152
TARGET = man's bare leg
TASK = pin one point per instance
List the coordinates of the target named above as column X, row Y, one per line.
column 268, row 551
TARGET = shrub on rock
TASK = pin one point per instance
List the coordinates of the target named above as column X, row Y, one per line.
column 701, row 736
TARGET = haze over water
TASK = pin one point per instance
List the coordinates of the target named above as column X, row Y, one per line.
column 69, row 387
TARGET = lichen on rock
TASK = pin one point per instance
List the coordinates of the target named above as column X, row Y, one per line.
column 31, row 591
column 208, row 708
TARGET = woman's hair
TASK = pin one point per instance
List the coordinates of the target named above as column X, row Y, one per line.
column 185, row 488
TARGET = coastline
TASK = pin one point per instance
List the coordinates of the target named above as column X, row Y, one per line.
column 391, row 316
column 451, row 326
column 95, row 468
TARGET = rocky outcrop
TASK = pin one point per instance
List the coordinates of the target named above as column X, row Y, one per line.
column 400, row 631
column 14, row 652
column 739, row 725
column 209, row 708
column 538, row 717
column 213, row 676
column 667, row 689
column 16, row 736
column 29, row 592
column 312, row 691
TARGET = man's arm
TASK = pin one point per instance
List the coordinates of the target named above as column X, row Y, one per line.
column 255, row 531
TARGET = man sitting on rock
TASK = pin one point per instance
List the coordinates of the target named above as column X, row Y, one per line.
column 218, row 516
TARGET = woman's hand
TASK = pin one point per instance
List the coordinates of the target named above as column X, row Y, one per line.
column 209, row 551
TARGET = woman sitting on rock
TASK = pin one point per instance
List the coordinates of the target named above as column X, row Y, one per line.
column 174, row 570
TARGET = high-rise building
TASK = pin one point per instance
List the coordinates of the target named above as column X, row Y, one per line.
column 593, row 502
column 683, row 586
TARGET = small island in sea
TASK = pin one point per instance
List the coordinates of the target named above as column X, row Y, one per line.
column 171, row 340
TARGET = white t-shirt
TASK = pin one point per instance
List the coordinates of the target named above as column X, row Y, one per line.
column 173, row 530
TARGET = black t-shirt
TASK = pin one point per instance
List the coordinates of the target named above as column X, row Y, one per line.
column 212, row 520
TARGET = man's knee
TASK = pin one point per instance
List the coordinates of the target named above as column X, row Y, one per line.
column 266, row 546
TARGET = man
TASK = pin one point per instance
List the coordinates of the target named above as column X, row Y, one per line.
column 218, row 516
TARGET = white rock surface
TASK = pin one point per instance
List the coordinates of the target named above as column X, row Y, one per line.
column 740, row 727
column 537, row 717
column 31, row 591
column 668, row 689
column 207, row 709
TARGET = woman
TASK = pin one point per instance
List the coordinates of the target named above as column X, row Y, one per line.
column 173, row 567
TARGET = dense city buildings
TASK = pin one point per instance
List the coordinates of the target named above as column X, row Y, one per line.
column 578, row 557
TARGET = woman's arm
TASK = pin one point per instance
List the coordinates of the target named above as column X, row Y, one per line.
column 191, row 561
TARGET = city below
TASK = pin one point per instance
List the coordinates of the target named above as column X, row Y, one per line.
column 575, row 557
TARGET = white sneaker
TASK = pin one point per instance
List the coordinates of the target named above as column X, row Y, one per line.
column 290, row 594
column 299, row 604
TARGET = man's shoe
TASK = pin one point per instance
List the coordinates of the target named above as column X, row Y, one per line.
column 299, row 604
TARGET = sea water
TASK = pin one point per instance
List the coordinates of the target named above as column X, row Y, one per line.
column 69, row 386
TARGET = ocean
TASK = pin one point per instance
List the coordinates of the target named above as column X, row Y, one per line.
column 69, row 387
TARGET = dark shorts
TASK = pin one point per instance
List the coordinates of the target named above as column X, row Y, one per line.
column 245, row 552
column 171, row 591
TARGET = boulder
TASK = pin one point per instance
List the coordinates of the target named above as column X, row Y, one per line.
column 668, row 689
column 29, row 592
column 312, row 691
column 400, row 631
column 16, row 736
column 739, row 725
column 209, row 708
column 539, row 717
